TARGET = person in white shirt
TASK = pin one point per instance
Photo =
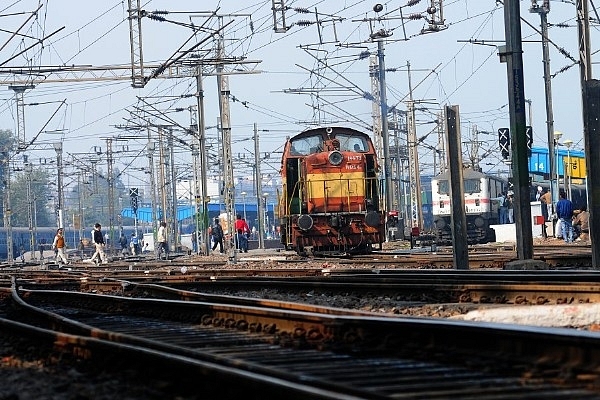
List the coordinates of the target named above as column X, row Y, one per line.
column 161, row 241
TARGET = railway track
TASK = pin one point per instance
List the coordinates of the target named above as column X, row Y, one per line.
column 441, row 286
column 493, row 256
column 278, row 352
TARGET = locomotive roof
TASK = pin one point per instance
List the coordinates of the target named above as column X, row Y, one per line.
column 321, row 130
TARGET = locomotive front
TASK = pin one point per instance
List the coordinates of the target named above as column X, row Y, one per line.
column 481, row 211
column 330, row 199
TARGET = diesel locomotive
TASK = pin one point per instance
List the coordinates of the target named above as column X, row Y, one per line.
column 329, row 204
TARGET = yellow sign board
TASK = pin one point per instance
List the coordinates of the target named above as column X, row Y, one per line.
column 575, row 167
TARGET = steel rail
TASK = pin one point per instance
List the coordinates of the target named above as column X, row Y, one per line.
column 547, row 349
column 501, row 287
column 186, row 371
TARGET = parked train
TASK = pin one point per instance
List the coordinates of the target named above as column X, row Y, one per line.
column 481, row 211
column 330, row 197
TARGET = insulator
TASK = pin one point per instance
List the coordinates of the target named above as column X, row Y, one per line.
column 412, row 3
column 163, row 12
column 566, row 54
column 304, row 23
column 415, row 16
column 301, row 10
column 561, row 25
column 157, row 17
column 364, row 54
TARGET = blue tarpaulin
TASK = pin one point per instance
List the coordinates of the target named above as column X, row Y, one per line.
column 183, row 212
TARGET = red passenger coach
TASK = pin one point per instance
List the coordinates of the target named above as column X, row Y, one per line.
column 330, row 198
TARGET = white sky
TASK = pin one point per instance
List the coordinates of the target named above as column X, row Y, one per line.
column 97, row 33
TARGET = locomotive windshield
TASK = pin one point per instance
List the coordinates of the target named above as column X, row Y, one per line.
column 472, row 185
column 352, row 143
column 469, row 186
column 306, row 145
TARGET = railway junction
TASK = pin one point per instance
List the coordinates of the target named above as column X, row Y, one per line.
column 401, row 323
column 498, row 321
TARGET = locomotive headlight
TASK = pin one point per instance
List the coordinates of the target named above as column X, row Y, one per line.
column 372, row 219
column 305, row 222
column 335, row 158
column 479, row 222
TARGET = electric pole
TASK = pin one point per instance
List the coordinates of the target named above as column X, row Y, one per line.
column 543, row 11
column 229, row 189
column 416, row 203
column 258, row 190
column 60, row 208
column 513, row 55
column 111, row 192
column 203, row 160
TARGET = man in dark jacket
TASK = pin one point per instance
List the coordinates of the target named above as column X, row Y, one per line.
column 564, row 212
column 98, row 239
column 123, row 243
column 217, row 235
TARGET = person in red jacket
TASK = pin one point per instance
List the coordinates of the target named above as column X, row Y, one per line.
column 241, row 229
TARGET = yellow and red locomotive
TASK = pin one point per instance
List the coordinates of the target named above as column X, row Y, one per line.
column 330, row 197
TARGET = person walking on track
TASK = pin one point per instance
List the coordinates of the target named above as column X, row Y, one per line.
column 161, row 240
column 59, row 245
column 98, row 239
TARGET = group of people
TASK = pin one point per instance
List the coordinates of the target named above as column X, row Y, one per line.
column 59, row 246
column 134, row 246
column 130, row 247
column 99, row 241
column 242, row 233
column 506, row 208
column 572, row 224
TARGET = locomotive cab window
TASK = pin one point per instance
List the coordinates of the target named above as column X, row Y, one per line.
column 306, row 145
column 352, row 143
column 472, row 185
column 469, row 186
column 443, row 187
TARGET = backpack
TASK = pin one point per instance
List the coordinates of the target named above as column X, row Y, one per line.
column 505, row 202
column 217, row 232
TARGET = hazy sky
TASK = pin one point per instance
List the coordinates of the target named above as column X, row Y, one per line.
column 447, row 68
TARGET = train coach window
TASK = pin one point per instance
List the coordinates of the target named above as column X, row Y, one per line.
column 472, row 185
